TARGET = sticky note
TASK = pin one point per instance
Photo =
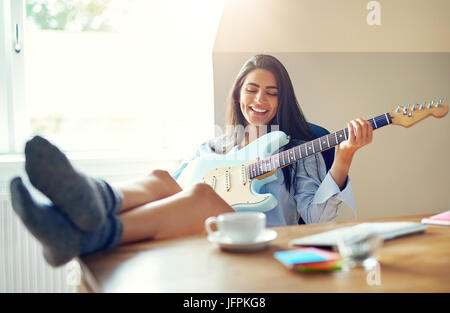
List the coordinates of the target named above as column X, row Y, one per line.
column 290, row 258
column 327, row 267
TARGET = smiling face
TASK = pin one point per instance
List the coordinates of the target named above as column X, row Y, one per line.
column 259, row 97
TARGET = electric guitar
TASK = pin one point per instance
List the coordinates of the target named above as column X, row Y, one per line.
column 238, row 181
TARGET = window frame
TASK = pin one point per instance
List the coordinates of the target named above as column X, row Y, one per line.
column 5, row 14
column 12, row 95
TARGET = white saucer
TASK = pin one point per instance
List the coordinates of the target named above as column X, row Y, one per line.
column 258, row 243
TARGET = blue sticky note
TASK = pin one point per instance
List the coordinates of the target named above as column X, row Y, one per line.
column 293, row 257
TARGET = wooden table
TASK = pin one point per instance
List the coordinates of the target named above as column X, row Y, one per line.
column 413, row 263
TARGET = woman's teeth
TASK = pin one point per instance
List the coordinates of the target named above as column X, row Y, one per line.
column 258, row 110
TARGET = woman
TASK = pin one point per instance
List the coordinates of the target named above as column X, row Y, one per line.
column 88, row 214
column 263, row 97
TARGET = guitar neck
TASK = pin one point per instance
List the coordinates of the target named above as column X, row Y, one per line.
column 297, row 153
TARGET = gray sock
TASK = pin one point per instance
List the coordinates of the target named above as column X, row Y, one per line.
column 85, row 200
column 60, row 238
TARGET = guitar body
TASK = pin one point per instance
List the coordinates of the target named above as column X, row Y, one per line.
column 228, row 176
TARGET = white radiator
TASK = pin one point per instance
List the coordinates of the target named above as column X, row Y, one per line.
column 22, row 265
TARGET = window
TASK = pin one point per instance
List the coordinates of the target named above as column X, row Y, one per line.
column 115, row 75
column 11, row 74
column 4, row 115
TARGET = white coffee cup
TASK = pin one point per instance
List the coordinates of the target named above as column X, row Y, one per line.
column 239, row 227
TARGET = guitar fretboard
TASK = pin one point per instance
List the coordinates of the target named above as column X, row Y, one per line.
column 307, row 149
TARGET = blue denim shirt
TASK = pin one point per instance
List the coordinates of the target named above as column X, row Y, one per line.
column 314, row 195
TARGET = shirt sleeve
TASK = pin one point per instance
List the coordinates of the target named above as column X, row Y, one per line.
column 317, row 194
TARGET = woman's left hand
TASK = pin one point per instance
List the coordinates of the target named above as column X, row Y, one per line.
column 360, row 134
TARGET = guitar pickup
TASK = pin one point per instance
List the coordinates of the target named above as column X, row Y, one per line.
column 213, row 182
column 243, row 174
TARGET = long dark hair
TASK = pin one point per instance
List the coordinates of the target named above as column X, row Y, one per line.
column 289, row 117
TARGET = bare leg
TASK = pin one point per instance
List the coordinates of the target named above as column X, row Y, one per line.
column 157, row 185
column 179, row 215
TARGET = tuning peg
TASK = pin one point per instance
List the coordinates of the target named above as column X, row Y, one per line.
column 430, row 105
column 397, row 110
column 414, row 107
column 438, row 105
column 421, row 106
column 405, row 110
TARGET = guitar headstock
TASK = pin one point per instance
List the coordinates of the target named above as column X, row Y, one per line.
column 410, row 114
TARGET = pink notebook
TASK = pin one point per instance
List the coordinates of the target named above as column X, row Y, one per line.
column 439, row 219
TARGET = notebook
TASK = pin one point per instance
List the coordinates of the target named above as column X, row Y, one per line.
column 438, row 219
column 387, row 231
